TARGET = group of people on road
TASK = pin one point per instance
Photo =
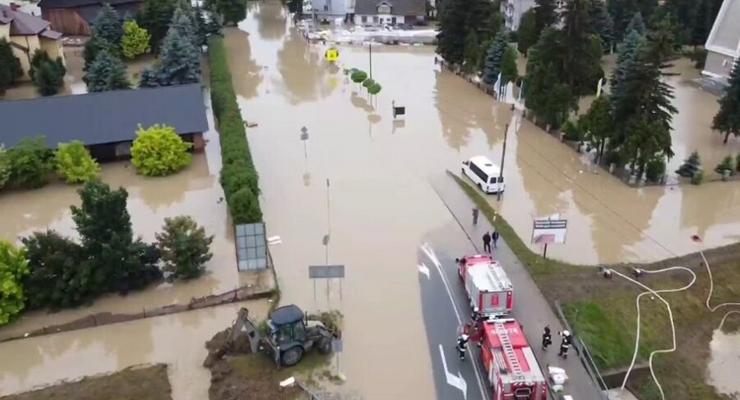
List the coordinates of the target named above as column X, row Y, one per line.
column 488, row 237
column 565, row 342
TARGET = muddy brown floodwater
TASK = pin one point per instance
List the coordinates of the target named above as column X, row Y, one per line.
column 177, row 340
column 362, row 180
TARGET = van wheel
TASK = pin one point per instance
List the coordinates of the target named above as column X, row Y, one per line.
column 480, row 186
column 462, row 171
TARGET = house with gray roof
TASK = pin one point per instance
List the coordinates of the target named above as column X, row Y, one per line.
column 28, row 33
column 390, row 12
column 106, row 121
column 723, row 43
column 75, row 17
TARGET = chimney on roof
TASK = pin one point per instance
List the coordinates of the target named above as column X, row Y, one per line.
column 15, row 6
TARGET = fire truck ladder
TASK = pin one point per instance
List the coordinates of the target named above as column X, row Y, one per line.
column 503, row 337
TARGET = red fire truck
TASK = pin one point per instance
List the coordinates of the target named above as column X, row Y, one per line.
column 509, row 362
column 488, row 287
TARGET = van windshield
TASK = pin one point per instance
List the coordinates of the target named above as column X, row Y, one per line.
column 500, row 179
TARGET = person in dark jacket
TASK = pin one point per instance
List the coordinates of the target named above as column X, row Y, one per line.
column 487, row 242
column 495, row 239
column 546, row 338
column 565, row 344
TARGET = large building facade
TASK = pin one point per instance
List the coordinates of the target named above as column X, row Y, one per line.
column 723, row 43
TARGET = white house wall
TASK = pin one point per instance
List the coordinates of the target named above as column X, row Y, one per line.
column 379, row 19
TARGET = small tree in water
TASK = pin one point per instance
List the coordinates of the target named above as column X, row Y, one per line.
column 690, row 167
column 184, row 247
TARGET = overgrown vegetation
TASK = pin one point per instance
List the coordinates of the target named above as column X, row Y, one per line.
column 238, row 174
column 75, row 164
column 47, row 74
column 13, row 267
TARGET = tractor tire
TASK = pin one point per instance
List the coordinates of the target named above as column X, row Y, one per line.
column 291, row 357
column 324, row 345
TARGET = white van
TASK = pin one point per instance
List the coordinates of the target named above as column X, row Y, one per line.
column 484, row 174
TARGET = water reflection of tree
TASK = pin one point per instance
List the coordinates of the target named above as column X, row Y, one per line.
column 162, row 192
column 459, row 112
column 704, row 206
column 36, row 209
column 302, row 70
column 271, row 18
column 246, row 74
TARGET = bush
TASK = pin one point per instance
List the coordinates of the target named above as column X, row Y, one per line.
column 159, row 150
column 655, row 169
column 184, row 248
column 135, row 40
column 698, row 178
column 4, row 166
column 13, row 267
column 74, row 163
column 727, row 166
column 47, row 74
column 690, row 167
column 374, row 89
column 239, row 178
column 572, row 131
column 245, row 207
column 31, row 163
column 358, row 76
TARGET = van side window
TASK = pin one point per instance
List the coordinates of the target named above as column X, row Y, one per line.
column 482, row 175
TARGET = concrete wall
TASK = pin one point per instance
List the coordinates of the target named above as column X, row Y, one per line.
column 52, row 47
column 718, row 65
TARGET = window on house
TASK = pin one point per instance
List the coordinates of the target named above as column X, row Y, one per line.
column 326, row 7
column 364, row 19
column 375, row 20
column 393, row 20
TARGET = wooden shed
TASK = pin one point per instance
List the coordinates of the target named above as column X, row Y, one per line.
column 75, row 17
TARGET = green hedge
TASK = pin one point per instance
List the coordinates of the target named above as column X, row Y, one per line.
column 238, row 175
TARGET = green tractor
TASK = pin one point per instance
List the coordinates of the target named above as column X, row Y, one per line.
column 292, row 334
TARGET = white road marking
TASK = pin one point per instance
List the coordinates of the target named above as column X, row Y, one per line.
column 454, row 380
column 427, row 249
column 424, row 269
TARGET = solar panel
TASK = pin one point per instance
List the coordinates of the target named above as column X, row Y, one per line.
column 251, row 246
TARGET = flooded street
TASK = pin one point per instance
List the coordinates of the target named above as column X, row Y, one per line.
column 362, row 180
column 725, row 362
column 177, row 340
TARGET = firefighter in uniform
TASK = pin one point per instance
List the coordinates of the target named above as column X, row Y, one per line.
column 546, row 338
column 565, row 344
column 462, row 343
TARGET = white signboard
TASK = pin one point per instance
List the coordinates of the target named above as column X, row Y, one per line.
column 549, row 231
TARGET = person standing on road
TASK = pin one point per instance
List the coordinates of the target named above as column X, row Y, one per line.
column 487, row 242
column 546, row 338
column 495, row 239
column 462, row 343
column 475, row 216
column 565, row 344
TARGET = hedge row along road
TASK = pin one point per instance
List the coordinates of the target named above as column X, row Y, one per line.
column 238, row 175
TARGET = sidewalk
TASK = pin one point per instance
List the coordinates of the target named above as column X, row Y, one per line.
column 531, row 309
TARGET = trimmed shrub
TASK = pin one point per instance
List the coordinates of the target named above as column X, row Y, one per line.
column 74, row 163
column 184, row 247
column 238, row 176
column 698, row 178
column 159, row 151
column 727, row 164
column 655, row 169
column 31, row 163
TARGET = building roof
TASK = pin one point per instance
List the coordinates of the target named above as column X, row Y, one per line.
column 398, row 7
column 725, row 35
column 104, row 117
column 81, row 3
column 23, row 24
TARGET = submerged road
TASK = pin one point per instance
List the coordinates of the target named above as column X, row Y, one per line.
column 445, row 305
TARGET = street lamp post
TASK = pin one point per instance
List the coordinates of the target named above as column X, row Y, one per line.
column 371, row 59
column 501, row 171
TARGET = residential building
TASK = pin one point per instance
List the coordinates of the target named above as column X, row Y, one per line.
column 325, row 11
column 512, row 11
column 75, row 17
column 390, row 12
column 26, row 34
column 106, row 121
column 723, row 43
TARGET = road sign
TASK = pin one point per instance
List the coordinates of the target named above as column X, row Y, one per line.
column 549, row 231
column 325, row 271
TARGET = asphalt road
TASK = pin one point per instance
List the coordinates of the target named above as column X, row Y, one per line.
column 445, row 306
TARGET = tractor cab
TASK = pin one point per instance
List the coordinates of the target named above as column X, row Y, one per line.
column 287, row 326
column 292, row 334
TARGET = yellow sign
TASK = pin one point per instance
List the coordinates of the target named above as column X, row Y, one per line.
column 332, row 54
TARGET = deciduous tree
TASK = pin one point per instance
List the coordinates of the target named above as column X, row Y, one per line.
column 601, row 23
column 135, row 40
column 155, row 17
column 184, row 247
column 74, row 163
column 232, row 11
column 10, row 66
column 471, row 56
column 452, row 31
column 107, row 72
column 582, row 49
column 598, row 125
column 509, row 71
column 13, row 267
column 727, row 120
column 547, row 96
column 31, row 163
column 546, row 14
column 159, row 150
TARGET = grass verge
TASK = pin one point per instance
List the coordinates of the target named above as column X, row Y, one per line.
column 603, row 312
column 134, row 383
column 238, row 174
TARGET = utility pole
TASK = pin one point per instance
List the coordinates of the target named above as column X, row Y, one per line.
column 371, row 60
column 501, row 171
